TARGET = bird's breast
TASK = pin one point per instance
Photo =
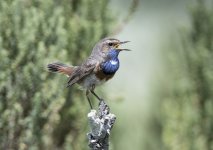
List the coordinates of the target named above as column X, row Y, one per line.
column 107, row 70
column 110, row 67
column 102, row 76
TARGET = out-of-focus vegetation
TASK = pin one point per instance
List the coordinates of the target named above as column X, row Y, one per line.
column 187, row 109
column 36, row 110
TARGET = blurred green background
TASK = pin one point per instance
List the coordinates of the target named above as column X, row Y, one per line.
column 162, row 95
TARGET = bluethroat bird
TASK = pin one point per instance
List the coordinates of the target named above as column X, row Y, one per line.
column 100, row 66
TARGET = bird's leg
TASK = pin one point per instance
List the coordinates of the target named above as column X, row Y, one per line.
column 96, row 95
column 87, row 95
column 92, row 91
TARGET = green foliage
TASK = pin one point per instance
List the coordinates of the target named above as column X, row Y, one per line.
column 188, row 107
column 36, row 110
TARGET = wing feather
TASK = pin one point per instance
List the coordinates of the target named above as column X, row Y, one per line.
column 81, row 72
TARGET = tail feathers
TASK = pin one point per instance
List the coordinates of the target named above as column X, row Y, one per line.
column 60, row 68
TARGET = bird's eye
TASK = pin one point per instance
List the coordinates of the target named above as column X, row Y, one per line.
column 110, row 44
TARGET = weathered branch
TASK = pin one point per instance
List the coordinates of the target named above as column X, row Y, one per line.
column 101, row 123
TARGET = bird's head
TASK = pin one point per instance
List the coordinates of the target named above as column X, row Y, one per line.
column 108, row 46
column 112, row 44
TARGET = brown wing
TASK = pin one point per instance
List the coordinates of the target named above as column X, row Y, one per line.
column 82, row 71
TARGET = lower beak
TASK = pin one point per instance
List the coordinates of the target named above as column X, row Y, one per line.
column 121, row 49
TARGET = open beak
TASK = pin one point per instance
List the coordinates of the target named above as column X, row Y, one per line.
column 123, row 49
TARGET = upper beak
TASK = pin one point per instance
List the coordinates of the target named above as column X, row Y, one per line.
column 124, row 42
column 122, row 49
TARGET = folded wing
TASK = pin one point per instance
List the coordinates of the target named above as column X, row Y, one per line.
column 81, row 71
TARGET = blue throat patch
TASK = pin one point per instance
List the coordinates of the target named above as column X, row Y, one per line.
column 112, row 64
